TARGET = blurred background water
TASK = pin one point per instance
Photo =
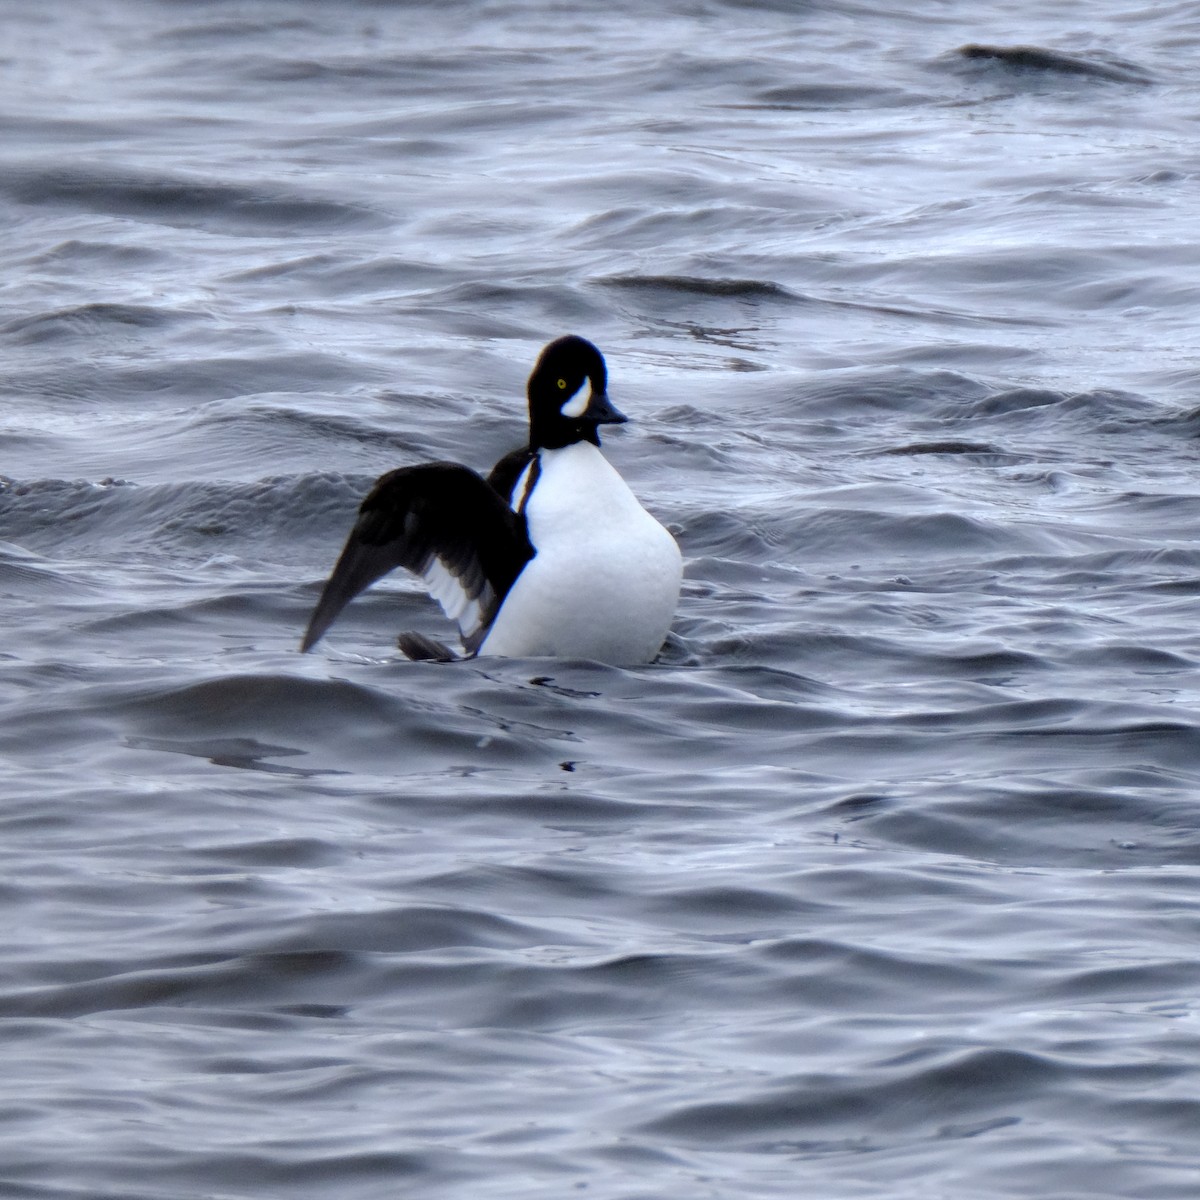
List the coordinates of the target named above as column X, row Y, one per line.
column 882, row 882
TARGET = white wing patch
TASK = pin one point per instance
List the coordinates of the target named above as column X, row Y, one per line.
column 447, row 589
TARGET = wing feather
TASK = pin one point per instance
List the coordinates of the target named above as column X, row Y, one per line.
column 443, row 522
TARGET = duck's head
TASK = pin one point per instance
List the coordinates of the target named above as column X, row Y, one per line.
column 561, row 409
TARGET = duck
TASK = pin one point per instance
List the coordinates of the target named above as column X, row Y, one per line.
column 551, row 555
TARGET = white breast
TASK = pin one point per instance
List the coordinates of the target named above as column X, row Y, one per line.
column 604, row 582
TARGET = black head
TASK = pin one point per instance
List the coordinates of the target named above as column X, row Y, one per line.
column 560, row 411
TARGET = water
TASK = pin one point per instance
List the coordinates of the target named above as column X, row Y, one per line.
column 882, row 882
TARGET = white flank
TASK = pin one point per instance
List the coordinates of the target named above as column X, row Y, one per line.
column 604, row 583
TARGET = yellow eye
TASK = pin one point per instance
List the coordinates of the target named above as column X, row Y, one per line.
column 562, row 385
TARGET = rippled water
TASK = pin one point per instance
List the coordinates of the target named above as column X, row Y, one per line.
column 881, row 882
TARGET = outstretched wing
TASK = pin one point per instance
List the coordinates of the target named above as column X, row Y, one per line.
column 445, row 523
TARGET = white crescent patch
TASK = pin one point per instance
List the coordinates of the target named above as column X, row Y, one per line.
column 577, row 405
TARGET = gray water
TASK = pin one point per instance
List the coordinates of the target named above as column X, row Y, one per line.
column 881, row 882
